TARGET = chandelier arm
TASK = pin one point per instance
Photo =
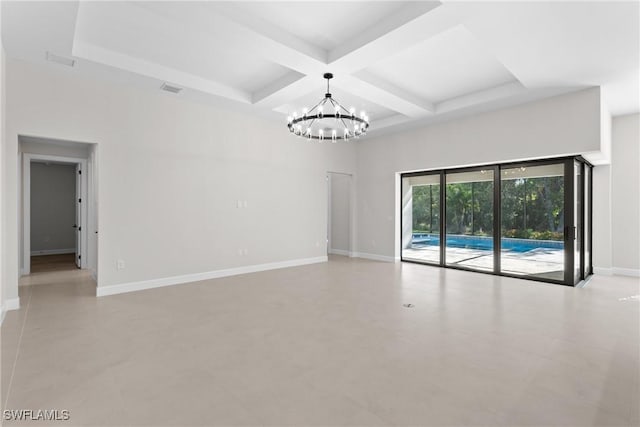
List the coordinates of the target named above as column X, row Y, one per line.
column 315, row 106
column 335, row 102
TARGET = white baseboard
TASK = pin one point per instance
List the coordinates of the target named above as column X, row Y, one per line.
column 54, row 251
column 626, row 272
column 341, row 252
column 616, row 271
column 102, row 291
column 374, row 257
column 12, row 304
column 603, row 271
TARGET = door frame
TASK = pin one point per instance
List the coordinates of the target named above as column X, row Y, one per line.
column 351, row 252
column 27, row 158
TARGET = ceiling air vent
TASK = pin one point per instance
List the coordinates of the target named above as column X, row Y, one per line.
column 63, row 60
column 170, row 88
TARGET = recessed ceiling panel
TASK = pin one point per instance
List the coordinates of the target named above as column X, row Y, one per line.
column 139, row 32
column 323, row 24
column 446, row 66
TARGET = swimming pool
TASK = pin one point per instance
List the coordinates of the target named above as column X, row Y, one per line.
column 484, row 243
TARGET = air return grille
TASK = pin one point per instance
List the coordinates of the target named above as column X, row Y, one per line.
column 170, row 88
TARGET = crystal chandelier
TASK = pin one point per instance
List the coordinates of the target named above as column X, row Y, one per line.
column 328, row 120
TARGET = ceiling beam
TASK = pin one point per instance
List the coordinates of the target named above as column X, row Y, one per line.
column 272, row 33
column 369, row 49
column 380, row 96
column 276, row 95
column 383, row 28
column 384, row 85
column 251, row 34
column 263, row 95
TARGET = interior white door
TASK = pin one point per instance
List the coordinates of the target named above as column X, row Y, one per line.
column 78, row 225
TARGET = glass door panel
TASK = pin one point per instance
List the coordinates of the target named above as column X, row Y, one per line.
column 587, row 220
column 469, row 219
column 421, row 218
column 577, row 222
column 532, row 221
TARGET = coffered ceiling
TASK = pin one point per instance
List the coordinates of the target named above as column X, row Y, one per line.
column 405, row 63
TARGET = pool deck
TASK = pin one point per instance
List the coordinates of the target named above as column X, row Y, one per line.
column 541, row 262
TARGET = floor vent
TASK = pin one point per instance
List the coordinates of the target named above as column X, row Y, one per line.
column 69, row 62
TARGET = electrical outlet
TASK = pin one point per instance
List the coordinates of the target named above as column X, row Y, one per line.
column 240, row 251
column 239, row 205
column 120, row 264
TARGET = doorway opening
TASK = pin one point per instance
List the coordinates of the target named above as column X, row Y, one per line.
column 58, row 201
column 340, row 214
column 55, row 213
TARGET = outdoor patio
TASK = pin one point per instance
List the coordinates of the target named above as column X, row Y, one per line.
column 539, row 262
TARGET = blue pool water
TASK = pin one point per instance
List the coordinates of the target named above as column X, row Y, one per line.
column 484, row 243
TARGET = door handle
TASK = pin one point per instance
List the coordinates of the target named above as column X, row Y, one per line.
column 75, row 225
column 570, row 232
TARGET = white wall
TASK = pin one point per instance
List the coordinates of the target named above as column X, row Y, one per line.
column 625, row 194
column 53, row 208
column 3, row 247
column 340, row 213
column 602, row 249
column 559, row 126
column 171, row 173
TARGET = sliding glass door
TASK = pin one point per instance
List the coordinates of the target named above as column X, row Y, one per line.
column 469, row 214
column 421, row 218
column 577, row 233
column 588, row 269
column 532, row 214
column 528, row 219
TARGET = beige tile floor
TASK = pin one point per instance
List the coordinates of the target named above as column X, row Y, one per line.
column 328, row 344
